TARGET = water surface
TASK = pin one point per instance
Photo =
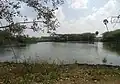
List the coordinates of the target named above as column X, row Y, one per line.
column 64, row 52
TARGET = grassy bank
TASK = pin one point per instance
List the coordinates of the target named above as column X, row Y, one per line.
column 23, row 73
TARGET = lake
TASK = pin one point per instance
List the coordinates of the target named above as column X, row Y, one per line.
column 98, row 53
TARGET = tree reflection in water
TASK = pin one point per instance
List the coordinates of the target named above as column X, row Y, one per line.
column 112, row 46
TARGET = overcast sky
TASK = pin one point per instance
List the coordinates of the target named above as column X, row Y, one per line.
column 78, row 16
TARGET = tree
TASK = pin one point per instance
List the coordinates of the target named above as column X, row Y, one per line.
column 96, row 33
column 105, row 21
column 44, row 9
column 112, row 36
column 16, row 29
column 4, row 35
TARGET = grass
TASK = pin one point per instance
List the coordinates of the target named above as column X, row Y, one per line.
column 44, row 73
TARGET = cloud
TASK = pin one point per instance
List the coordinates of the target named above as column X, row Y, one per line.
column 76, row 4
column 59, row 14
column 96, row 19
column 92, row 22
column 94, row 9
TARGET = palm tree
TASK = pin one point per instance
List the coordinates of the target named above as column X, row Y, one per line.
column 96, row 33
column 105, row 21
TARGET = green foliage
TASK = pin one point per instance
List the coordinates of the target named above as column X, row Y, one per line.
column 4, row 35
column 7, row 38
column 9, row 9
column 112, row 36
column 105, row 21
column 89, row 37
column 96, row 33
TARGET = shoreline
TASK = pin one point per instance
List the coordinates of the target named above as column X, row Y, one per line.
column 44, row 73
column 62, row 64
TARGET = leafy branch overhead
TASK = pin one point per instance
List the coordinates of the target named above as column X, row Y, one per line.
column 45, row 9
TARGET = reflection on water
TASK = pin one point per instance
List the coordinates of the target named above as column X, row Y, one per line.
column 113, row 47
column 98, row 53
column 104, row 60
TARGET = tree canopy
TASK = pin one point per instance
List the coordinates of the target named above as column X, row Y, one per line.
column 112, row 36
column 85, row 37
column 9, row 9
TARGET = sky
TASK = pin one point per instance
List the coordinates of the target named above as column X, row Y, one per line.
column 78, row 16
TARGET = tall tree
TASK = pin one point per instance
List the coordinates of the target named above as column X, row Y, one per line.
column 105, row 21
column 9, row 9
